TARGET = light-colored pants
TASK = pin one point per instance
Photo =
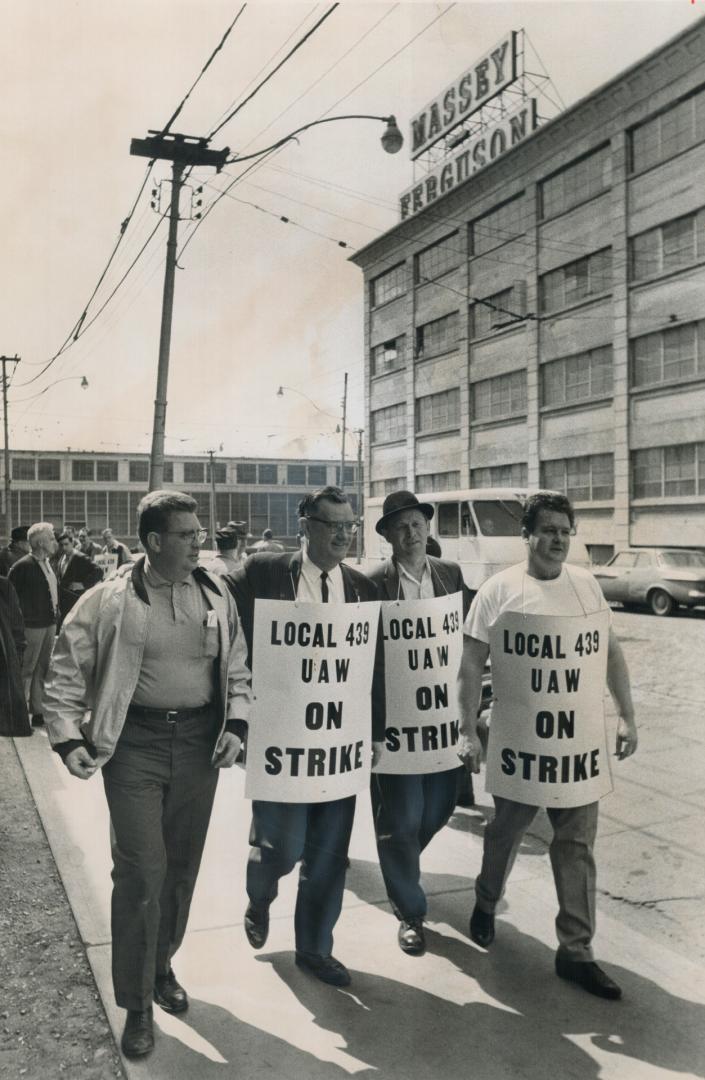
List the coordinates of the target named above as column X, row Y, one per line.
column 572, row 862
column 35, row 664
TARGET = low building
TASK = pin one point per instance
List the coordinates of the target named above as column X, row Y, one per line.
column 542, row 322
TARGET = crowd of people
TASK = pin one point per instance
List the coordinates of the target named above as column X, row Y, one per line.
column 149, row 681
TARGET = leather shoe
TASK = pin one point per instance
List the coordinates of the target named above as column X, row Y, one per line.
column 326, row 968
column 411, row 937
column 257, row 925
column 169, row 995
column 138, row 1036
column 482, row 927
column 589, row 975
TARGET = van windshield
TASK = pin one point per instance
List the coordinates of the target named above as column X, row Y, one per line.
column 498, row 517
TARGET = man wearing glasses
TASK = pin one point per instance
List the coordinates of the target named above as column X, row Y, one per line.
column 316, row 833
column 148, row 682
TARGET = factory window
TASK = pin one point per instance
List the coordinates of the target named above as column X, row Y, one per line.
column 575, row 184
column 386, row 487
column 506, row 222
column 439, row 481
column 267, row 474
column 576, row 281
column 219, row 472
column 389, row 424
column 24, row 468
column 436, row 412
column 388, row 285
column 139, row 472
column 668, row 247
column 350, row 475
column 498, row 310
column 514, row 475
column 83, row 470
column 499, row 397
column 437, row 336
column 582, row 479
column 389, row 356
column 669, row 355
column 193, row 472
column 436, row 260
column 669, row 470
column 106, row 471
column 168, row 472
column 577, row 378
column 680, row 126
column 317, row 475
column 48, row 469
column 246, row 473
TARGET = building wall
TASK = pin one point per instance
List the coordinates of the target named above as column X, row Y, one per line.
column 592, row 206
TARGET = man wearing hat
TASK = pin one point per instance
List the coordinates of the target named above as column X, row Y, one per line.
column 18, row 546
column 231, row 542
column 409, row 810
column 268, row 543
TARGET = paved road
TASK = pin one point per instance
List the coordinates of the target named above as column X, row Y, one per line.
column 458, row 1011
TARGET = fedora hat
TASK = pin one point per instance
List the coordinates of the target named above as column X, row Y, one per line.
column 398, row 501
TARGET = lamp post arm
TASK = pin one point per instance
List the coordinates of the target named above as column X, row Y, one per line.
column 389, row 120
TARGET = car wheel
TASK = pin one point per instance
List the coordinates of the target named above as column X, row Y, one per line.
column 660, row 602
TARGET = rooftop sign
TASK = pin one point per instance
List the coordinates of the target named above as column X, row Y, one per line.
column 470, row 91
column 473, row 156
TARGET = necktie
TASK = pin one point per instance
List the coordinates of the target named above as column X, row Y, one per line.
column 324, row 587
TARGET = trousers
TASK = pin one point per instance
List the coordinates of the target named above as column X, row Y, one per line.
column 408, row 811
column 160, row 787
column 319, row 835
column 572, row 862
column 35, row 663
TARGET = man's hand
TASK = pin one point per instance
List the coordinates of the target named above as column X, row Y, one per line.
column 377, row 748
column 470, row 752
column 80, row 763
column 226, row 750
column 627, row 738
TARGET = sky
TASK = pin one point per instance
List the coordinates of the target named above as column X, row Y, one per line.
column 259, row 303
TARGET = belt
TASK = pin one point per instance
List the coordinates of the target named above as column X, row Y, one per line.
column 170, row 716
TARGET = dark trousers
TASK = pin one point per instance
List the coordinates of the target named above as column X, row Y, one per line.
column 319, row 835
column 160, row 787
column 408, row 811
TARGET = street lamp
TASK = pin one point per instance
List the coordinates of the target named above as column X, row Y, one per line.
column 183, row 151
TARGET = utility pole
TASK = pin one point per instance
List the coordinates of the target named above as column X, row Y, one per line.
column 360, row 507
column 4, row 360
column 342, row 441
column 181, row 150
column 212, row 514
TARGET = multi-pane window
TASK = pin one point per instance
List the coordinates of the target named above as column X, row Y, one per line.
column 350, row 475
column 53, row 506
column 277, row 514
column 193, row 472
column 576, row 378
column 139, row 472
column 668, row 247
column 240, row 506
column 219, row 472
column 389, row 355
column 501, row 396
column 246, row 473
column 669, row 470
column 81, row 469
column 674, row 353
column 168, row 472
column 582, row 479
column 388, row 285
column 118, row 514
column 386, row 487
column 498, row 310
column 266, row 474
column 576, row 183
column 296, row 474
column 436, row 260
column 438, row 481
column 437, row 336
column 680, row 126
column 75, row 507
column 436, row 412
column 576, row 281
column 514, row 475
column 317, row 475
column 48, row 469
column 24, row 468
column 106, row 471
column 505, row 223
column 32, row 506
column 96, row 509
column 389, row 424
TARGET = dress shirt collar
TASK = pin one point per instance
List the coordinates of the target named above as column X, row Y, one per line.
column 312, row 575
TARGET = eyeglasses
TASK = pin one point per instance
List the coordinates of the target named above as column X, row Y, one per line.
column 188, row 537
column 347, row 527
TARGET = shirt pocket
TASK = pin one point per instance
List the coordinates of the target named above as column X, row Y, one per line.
column 209, row 641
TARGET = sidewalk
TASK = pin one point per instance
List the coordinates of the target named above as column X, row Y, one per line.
column 454, row 1013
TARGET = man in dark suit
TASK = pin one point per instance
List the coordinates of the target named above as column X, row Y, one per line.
column 316, row 833
column 34, row 581
column 410, row 809
column 76, row 573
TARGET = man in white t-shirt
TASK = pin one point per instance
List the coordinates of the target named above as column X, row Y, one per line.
column 542, row 587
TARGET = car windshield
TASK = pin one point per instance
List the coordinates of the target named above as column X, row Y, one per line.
column 682, row 559
column 498, row 517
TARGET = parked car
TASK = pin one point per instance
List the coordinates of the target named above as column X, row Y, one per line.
column 661, row 578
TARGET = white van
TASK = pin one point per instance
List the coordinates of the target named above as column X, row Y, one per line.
column 480, row 528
